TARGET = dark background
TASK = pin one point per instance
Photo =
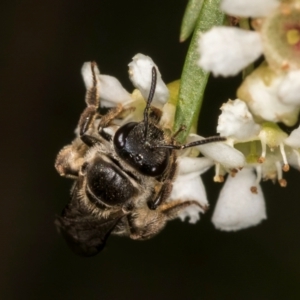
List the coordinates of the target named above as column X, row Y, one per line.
column 43, row 46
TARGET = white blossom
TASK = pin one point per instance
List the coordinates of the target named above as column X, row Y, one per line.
column 289, row 88
column 226, row 51
column 189, row 186
column 293, row 140
column 111, row 92
column 237, row 122
column 220, row 152
column 249, row 8
column 268, row 95
column 238, row 207
column 261, row 91
column 140, row 73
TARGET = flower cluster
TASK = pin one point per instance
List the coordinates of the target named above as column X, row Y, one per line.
column 268, row 95
column 256, row 148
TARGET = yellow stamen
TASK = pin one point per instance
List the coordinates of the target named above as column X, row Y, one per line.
column 218, row 177
column 285, row 168
column 282, row 182
column 293, row 36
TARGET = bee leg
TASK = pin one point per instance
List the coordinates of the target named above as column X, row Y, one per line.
column 172, row 209
column 155, row 115
column 150, row 223
column 166, row 188
column 86, row 122
column 181, row 128
column 70, row 158
column 162, row 195
column 107, row 118
column 90, row 113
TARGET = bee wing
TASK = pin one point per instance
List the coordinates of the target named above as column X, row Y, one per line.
column 85, row 233
column 86, row 236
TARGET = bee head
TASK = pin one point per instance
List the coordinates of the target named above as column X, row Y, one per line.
column 134, row 142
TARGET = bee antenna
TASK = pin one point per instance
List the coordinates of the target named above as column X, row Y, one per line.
column 149, row 100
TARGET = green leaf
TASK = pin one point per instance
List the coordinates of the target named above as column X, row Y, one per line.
column 190, row 17
column 194, row 79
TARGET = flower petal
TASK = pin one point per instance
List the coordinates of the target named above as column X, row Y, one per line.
column 250, row 8
column 260, row 91
column 220, row 152
column 237, row 122
column 294, row 139
column 190, row 189
column 289, row 88
column 111, row 92
column 237, row 206
column 226, row 51
column 189, row 186
column 193, row 165
column 140, row 73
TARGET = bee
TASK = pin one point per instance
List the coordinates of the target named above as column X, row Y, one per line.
column 122, row 175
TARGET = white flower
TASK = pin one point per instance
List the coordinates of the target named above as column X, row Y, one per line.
column 264, row 92
column 140, row 73
column 236, row 122
column 269, row 158
column 293, row 140
column 238, row 207
column 226, row 51
column 189, row 186
column 289, row 88
column 244, row 8
column 270, row 94
column 111, row 92
column 220, row 152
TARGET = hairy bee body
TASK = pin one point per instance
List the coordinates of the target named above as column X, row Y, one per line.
column 109, row 196
column 122, row 176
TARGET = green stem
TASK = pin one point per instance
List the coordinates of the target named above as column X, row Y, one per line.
column 194, row 79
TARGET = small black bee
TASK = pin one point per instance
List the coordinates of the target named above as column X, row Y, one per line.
column 123, row 175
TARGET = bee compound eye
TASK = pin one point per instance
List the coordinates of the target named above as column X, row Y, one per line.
column 107, row 184
column 155, row 168
column 121, row 135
